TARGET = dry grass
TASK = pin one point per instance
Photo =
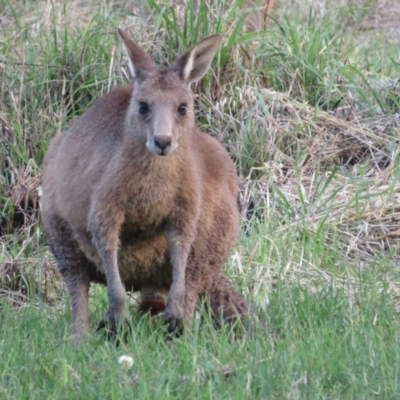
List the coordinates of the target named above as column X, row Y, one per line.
column 366, row 148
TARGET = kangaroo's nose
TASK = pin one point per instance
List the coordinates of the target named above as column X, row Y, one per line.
column 162, row 142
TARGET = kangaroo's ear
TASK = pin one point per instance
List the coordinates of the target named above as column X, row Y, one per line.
column 140, row 63
column 193, row 64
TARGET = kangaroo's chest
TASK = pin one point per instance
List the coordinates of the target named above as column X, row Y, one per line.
column 143, row 253
column 147, row 216
column 144, row 259
column 150, row 202
column 143, row 256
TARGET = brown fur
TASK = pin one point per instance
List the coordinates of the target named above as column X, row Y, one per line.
column 152, row 306
column 119, row 212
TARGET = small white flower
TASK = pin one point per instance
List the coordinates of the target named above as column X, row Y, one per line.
column 126, row 362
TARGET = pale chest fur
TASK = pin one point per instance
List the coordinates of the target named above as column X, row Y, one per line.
column 149, row 204
column 143, row 255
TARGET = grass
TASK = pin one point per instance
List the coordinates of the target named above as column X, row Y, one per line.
column 309, row 112
column 318, row 345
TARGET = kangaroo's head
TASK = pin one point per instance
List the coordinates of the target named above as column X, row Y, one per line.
column 161, row 109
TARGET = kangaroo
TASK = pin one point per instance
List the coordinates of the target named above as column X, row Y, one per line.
column 136, row 197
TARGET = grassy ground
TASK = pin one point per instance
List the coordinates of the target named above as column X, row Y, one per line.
column 309, row 111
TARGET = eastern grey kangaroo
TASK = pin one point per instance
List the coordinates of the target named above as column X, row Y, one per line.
column 136, row 197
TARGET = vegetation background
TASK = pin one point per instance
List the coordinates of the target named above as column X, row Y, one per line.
column 310, row 112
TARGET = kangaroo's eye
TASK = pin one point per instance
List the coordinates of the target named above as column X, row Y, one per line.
column 143, row 108
column 182, row 109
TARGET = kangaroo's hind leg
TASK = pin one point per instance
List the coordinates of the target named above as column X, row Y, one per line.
column 75, row 269
column 225, row 301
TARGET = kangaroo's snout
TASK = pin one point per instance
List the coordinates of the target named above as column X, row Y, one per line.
column 162, row 145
